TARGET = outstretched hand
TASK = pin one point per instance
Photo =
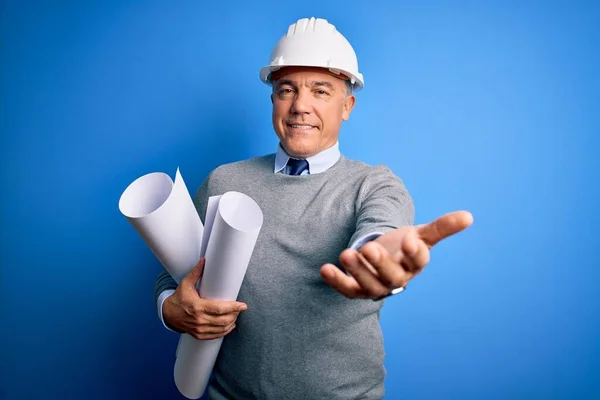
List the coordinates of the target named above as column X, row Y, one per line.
column 393, row 259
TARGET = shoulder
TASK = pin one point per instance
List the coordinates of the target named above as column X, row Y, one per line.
column 240, row 169
column 228, row 175
column 379, row 186
column 372, row 176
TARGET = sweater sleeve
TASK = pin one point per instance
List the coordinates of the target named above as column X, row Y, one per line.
column 384, row 204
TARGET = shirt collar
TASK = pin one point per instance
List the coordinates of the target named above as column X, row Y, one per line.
column 318, row 163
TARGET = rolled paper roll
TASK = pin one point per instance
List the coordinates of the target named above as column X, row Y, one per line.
column 164, row 215
column 236, row 222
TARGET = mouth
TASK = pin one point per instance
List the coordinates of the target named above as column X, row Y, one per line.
column 301, row 127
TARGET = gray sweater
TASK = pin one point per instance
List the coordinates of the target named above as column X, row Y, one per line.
column 299, row 338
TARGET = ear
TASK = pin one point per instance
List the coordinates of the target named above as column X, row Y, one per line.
column 348, row 106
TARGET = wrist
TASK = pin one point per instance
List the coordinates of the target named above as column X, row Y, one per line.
column 165, row 306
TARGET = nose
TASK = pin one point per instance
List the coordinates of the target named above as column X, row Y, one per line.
column 301, row 103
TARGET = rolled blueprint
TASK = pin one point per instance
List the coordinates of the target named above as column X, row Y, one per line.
column 236, row 221
column 164, row 215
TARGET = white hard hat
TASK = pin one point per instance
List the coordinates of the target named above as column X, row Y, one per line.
column 314, row 42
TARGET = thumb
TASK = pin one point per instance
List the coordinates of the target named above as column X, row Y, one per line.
column 195, row 274
column 444, row 226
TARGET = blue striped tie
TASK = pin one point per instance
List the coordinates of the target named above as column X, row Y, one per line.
column 297, row 166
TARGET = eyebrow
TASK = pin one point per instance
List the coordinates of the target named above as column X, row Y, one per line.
column 324, row 83
column 327, row 84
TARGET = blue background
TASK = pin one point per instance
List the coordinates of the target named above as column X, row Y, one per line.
column 492, row 107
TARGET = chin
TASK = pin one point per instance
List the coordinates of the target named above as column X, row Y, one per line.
column 299, row 150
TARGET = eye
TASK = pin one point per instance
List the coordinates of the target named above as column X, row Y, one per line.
column 322, row 92
column 284, row 92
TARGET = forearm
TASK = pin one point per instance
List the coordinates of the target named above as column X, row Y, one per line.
column 165, row 286
column 164, row 281
column 385, row 205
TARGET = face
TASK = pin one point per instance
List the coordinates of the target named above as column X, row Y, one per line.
column 309, row 106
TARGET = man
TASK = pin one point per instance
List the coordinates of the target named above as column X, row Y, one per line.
column 304, row 328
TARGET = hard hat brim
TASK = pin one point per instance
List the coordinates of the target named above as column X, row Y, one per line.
column 267, row 72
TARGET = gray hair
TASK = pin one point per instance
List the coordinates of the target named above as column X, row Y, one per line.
column 348, row 87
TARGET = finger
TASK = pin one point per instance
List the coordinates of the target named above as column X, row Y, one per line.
column 222, row 320
column 410, row 244
column 228, row 331
column 213, row 329
column 225, row 331
column 358, row 266
column 446, row 225
column 389, row 272
column 230, row 327
column 219, row 307
column 195, row 274
column 212, row 336
column 417, row 254
column 209, row 330
column 341, row 282
column 207, row 337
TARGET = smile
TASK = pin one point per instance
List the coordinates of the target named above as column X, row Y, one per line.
column 304, row 127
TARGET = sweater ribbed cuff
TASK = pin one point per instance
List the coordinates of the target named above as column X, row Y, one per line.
column 360, row 242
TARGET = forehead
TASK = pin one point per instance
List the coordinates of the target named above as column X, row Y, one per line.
column 307, row 75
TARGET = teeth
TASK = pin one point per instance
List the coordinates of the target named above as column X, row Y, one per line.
column 301, row 126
